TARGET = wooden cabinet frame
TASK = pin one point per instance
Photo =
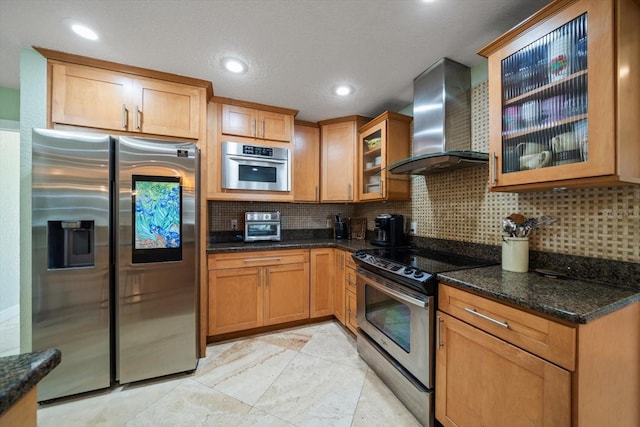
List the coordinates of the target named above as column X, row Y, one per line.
column 612, row 46
column 338, row 139
column 394, row 132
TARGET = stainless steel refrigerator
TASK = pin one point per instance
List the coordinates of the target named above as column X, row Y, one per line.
column 115, row 255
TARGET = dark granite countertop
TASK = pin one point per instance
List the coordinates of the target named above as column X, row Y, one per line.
column 351, row 245
column 569, row 299
column 576, row 300
column 22, row 372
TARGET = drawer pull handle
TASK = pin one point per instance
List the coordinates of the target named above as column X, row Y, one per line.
column 263, row 259
column 485, row 317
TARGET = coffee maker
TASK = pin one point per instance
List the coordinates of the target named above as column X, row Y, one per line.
column 341, row 228
column 389, row 230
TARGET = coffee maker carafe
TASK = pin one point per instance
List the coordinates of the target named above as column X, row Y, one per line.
column 389, row 230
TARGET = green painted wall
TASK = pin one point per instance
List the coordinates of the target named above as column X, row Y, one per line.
column 9, row 104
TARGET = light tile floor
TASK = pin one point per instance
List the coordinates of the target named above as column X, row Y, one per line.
column 10, row 336
column 307, row 376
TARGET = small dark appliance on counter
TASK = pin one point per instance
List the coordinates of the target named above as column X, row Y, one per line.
column 341, row 228
column 389, row 230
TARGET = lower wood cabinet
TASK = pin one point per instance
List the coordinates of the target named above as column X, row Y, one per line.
column 484, row 381
column 322, row 279
column 351, row 302
column 498, row 365
column 339, row 286
column 248, row 290
column 253, row 289
column 351, row 308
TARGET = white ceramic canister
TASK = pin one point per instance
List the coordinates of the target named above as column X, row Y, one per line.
column 515, row 254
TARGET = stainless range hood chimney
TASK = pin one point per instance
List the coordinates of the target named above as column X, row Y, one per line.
column 441, row 122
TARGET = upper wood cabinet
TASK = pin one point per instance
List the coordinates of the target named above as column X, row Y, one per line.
column 238, row 116
column 383, row 141
column 103, row 99
column 338, row 142
column 255, row 123
column 306, row 163
column 563, row 97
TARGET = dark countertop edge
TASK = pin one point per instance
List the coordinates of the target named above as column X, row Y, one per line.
column 350, row 245
column 22, row 372
column 550, row 311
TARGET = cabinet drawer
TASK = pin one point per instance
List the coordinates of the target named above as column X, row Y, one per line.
column 349, row 262
column 350, row 279
column 543, row 337
column 256, row 259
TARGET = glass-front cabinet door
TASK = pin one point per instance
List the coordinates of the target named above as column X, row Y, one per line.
column 383, row 141
column 371, row 162
column 552, row 98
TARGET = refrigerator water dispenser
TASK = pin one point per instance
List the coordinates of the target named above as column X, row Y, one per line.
column 70, row 244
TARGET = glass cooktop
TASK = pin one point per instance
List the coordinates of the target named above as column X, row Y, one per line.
column 414, row 267
column 428, row 260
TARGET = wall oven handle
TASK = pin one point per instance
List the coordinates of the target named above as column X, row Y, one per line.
column 252, row 159
column 485, row 317
column 397, row 294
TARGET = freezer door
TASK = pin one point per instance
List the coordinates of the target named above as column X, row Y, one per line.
column 157, row 253
column 70, row 258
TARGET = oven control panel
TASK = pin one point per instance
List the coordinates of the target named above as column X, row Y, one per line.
column 394, row 268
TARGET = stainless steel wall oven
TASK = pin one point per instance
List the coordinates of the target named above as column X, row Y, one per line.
column 255, row 167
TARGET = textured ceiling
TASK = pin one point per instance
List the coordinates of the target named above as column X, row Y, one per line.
column 297, row 50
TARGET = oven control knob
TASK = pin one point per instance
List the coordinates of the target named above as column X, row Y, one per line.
column 408, row 270
column 418, row 274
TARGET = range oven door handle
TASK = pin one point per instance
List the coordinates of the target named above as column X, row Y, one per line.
column 397, row 294
column 257, row 160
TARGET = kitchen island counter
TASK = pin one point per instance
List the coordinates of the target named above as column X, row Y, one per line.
column 573, row 300
column 19, row 374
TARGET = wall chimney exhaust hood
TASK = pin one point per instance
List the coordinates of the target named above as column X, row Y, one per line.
column 441, row 122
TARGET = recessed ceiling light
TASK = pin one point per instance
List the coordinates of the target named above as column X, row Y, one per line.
column 84, row 32
column 343, row 90
column 234, row 65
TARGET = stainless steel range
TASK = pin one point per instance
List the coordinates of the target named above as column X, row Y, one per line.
column 396, row 292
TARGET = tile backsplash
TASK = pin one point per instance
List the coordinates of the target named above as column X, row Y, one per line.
column 457, row 205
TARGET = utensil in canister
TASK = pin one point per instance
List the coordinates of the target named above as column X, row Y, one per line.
column 517, row 218
column 509, row 226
